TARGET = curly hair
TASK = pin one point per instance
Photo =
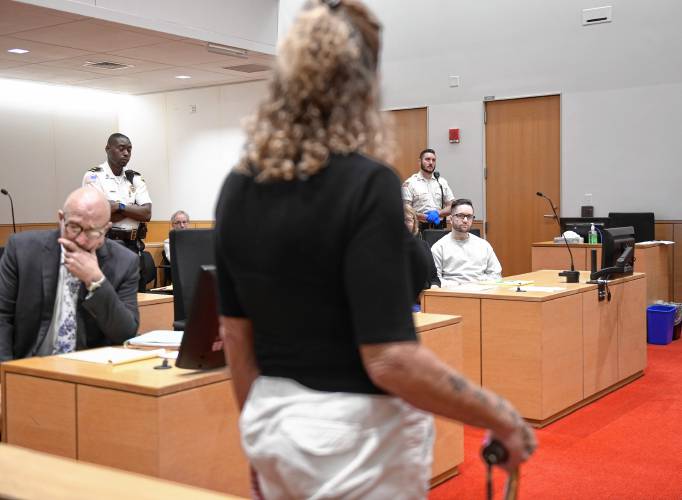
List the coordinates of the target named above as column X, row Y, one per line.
column 323, row 97
column 411, row 214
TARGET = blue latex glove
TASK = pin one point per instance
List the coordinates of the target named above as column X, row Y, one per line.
column 432, row 217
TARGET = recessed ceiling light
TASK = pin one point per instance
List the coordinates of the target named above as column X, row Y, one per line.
column 19, row 51
column 183, row 77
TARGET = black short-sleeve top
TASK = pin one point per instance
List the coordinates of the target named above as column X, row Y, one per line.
column 320, row 267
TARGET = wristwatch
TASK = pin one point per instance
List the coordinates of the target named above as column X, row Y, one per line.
column 96, row 284
column 121, row 206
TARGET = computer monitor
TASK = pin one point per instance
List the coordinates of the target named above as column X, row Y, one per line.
column 201, row 347
column 617, row 253
column 644, row 223
column 190, row 249
column 582, row 225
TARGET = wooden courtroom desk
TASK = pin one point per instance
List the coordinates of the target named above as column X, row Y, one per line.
column 442, row 334
column 156, row 312
column 32, row 475
column 652, row 258
column 550, row 352
column 174, row 424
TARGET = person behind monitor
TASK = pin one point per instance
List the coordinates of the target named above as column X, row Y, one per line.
column 333, row 386
column 69, row 288
column 462, row 257
column 179, row 220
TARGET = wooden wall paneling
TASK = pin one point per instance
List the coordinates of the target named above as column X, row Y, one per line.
column 511, row 352
column 47, row 423
column 410, row 130
column 522, row 144
column 632, row 328
column 600, row 340
column 448, row 448
column 134, row 446
column 562, row 354
column 665, row 232
column 470, row 310
column 214, row 413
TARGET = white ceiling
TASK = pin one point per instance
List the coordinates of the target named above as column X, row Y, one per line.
column 61, row 43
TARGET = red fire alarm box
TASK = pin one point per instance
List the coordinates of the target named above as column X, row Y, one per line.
column 454, row 135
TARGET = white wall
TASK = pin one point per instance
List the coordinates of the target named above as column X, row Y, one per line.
column 249, row 24
column 49, row 137
column 184, row 155
column 619, row 84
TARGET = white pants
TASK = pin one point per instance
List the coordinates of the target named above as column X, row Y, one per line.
column 308, row 444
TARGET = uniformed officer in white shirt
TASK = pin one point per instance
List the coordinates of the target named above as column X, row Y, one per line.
column 126, row 191
column 428, row 193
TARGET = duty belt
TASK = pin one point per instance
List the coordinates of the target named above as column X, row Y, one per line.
column 122, row 234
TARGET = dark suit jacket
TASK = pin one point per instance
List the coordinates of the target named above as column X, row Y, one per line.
column 29, row 272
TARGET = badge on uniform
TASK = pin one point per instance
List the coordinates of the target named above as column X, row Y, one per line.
column 91, row 178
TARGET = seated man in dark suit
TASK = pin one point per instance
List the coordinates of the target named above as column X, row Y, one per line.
column 69, row 288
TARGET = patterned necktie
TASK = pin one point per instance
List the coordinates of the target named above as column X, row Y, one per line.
column 66, row 331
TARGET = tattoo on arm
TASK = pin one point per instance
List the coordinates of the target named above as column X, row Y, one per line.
column 458, row 383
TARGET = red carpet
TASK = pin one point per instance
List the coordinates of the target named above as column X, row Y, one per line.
column 627, row 445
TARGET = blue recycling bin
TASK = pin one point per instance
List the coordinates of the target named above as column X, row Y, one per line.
column 660, row 320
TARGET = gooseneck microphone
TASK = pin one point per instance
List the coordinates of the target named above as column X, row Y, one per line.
column 11, row 204
column 572, row 276
column 436, row 175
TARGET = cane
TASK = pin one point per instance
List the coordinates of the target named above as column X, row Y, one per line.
column 495, row 454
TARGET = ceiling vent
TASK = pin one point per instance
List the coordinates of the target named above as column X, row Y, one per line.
column 597, row 15
column 108, row 65
column 248, row 68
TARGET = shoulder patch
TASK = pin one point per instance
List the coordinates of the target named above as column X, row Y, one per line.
column 96, row 169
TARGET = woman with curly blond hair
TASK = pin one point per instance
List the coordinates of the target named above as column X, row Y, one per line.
column 315, row 299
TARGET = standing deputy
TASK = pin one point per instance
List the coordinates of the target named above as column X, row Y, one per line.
column 126, row 191
column 428, row 193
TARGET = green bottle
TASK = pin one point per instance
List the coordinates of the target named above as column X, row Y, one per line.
column 592, row 236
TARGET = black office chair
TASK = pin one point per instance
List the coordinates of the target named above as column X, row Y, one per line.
column 165, row 267
column 190, row 249
column 147, row 271
column 433, row 235
column 2, row 250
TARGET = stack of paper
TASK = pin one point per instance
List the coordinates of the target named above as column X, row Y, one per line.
column 170, row 339
column 111, row 355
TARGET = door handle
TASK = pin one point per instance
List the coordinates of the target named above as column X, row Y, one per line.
column 548, row 216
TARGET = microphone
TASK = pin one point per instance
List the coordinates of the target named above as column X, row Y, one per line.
column 436, row 175
column 11, row 204
column 572, row 276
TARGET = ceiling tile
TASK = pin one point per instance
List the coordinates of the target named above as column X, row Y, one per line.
column 137, row 65
column 182, row 53
column 10, row 64
column 40, row 52
column 15, row 16
column 90, row 35
column 49, row 74
column 218, row 68
column 145, row 31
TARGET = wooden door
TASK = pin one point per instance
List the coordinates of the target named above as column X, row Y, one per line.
column 410, row 131
column 522, row 158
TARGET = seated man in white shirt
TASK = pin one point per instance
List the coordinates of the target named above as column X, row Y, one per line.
column 462, row 257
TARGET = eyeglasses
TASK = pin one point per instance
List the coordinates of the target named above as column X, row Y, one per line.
column 74, row 230
column 465, row 216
